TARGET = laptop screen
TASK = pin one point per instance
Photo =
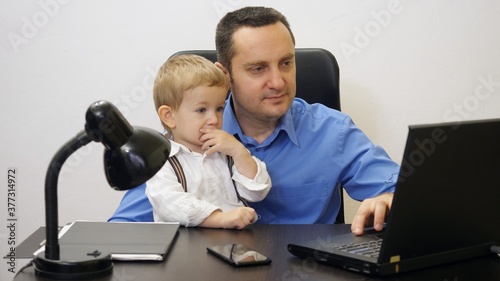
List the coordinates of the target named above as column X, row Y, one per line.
column 448, row 190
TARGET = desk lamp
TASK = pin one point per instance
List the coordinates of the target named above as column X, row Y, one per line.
column 132, row 156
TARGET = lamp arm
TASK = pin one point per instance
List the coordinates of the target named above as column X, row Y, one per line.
column 51, row 206
column 132, row 156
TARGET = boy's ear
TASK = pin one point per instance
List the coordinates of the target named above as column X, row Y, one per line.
column 166, row 115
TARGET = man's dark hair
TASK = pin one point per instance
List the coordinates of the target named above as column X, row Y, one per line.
column 244, row 17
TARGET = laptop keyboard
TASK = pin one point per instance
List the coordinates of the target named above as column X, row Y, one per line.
column 369, row 249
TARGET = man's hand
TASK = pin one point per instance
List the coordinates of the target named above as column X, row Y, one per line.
column 372, row 211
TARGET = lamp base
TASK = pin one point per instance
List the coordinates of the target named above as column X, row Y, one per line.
column 74, row 263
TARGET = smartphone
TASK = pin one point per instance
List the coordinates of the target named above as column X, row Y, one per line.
column 238, row 255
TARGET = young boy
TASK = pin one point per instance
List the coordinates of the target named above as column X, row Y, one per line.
column 190, row 94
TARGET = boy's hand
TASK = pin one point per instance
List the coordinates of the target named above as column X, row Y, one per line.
column 215, row 140
column 238, row 218
column 235, row 219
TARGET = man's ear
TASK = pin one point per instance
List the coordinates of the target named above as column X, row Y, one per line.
column 225, row 71
column 221, row 67
column 167, row 116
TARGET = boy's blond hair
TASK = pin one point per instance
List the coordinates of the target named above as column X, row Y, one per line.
column 181, row 73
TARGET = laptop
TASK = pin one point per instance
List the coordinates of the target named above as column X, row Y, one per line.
column 446, row 205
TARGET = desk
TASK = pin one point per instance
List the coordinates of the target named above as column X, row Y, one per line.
column 189, row 260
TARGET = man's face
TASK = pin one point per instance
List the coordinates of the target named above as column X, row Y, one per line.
column 263, row 73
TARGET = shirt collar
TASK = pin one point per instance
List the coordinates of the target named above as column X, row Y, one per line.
column 286, row 124
column 177, row 148
column 230, row 125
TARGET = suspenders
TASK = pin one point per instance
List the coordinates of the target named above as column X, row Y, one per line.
column 181, row 178
column 179, row 172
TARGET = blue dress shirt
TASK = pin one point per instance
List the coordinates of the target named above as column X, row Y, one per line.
column 312, row 153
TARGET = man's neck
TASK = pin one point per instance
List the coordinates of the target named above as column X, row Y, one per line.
column 259, row 130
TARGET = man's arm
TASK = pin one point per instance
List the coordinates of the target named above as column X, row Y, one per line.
column 134, row 207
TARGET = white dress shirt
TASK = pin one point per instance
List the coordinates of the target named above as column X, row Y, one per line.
column 209, row 187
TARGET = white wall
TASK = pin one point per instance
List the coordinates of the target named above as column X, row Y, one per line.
column 401, row 63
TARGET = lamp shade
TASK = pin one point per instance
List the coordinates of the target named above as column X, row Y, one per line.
column 132, row 155
column 137, row 160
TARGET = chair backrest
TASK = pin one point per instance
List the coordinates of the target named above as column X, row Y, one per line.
column 317, row 82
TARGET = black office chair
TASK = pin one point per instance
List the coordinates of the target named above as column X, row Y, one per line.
column 317, row 82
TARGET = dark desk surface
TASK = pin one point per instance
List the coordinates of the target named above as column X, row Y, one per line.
column 189, row 260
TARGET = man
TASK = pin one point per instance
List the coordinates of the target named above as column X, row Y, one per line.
column 310, row 150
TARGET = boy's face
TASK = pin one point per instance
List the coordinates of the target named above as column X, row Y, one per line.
column 201, row 107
